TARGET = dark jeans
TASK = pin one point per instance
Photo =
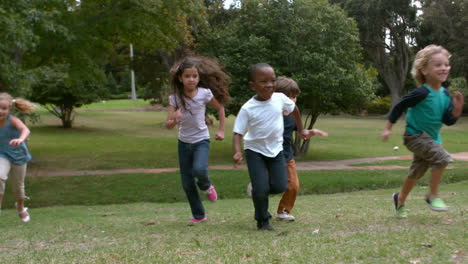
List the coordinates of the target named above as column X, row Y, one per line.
column 268, row 176
column 193, row 162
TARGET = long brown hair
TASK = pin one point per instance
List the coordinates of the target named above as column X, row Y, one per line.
column 211, row 76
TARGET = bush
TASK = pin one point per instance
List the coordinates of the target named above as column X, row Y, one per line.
column 379, row 106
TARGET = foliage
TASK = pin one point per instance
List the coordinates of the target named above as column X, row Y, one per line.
column 379, row 105
column 61, row 48
column 445, row 22
column 386, row 32
column 310, row 41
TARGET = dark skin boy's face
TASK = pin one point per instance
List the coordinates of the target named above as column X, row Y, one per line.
column 263, row 83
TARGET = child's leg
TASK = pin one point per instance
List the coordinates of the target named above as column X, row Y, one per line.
column 201, row 152
column 417, row 170
column 260, row 184
column 188, row 180
column 5, row 167
column 289, row 197
column 436, row 176
column 277, row 173
column 17, row 175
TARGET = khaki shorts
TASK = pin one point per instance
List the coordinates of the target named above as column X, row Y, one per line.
column 426, row 154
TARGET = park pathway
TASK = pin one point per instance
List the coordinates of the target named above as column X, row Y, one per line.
column 309, row 165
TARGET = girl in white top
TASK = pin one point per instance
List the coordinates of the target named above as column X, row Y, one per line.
column 260, row 124
column 187, row 108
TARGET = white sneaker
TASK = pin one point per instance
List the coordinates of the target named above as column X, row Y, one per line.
column 285, row 217
column 249, row 189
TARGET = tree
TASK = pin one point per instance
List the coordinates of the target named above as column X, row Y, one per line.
column 312, row 42
column 445, row 22
column 61, row 48
column 386, row 32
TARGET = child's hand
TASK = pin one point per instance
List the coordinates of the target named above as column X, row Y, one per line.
column 458, row 98
column 16, row 142
column 219, row 135
column 305, row 134
column 319, row 133
column 385, row 134
column 237, row 159
column 177, row 116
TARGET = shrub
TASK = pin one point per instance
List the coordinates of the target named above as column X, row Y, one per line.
column 379, row 106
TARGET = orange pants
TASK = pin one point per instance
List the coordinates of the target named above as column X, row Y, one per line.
column 289, row 196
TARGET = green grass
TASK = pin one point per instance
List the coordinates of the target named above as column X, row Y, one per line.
column 356, row 227
column 166, row 187
column 407, row 163
column 108, row 138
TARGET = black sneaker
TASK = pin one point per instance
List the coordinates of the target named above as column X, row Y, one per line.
column 264, row 226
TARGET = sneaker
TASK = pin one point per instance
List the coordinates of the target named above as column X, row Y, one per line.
column 264, row 226
column 249, row 189
column 400, row 210
column 211, row 193
column 195, row 221
column 436, row 204
column 285, row 216
column 23, row 215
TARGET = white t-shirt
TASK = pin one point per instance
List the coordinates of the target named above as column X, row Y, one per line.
column 263, row 121
column 192, row 126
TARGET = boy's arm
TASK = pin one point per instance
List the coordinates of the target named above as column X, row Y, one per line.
column 236, row 141
column 387, row 131
column 221, row 116
column 296, row 115
column 458, row 102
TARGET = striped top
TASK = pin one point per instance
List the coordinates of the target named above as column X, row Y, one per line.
column 19, row 155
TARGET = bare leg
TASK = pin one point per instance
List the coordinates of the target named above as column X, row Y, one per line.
column 436, row 176
column 408, row 185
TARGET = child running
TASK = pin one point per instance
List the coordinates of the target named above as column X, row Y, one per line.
column 290, row 88
column 260, row 124
column 14, row 154
column 429, row 107
column 196, row 81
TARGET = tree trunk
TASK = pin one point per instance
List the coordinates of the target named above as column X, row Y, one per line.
column 300, row 146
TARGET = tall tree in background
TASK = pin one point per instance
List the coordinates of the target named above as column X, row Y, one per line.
column 387, row 31
column 312, row 42
column 64, row 46
column 445, row 22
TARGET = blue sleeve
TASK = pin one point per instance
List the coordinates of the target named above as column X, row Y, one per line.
column 409, row 100
column 448, row 119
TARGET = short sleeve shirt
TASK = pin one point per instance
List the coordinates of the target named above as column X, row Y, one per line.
column 261, row 124
column 192, row 126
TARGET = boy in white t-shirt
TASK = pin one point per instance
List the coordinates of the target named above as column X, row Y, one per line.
column 260, row 124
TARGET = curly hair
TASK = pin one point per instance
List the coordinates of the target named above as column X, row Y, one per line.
column 21, row 104
column 422, row 59
column 211, row 76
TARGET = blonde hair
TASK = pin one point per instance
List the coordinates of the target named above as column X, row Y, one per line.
column 422, row 59
column 287, row 86
column 21, row 104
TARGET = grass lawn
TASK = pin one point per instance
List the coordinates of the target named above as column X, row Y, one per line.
column 357, row 227
column 119, row 134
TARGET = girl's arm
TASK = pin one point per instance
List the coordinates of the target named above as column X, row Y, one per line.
column 221, row 116
column 173, row 117
column 296, row 115
column 236, row 142
column 22, row 128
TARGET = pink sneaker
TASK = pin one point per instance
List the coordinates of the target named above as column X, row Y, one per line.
column 211, row 194
column 196, row 221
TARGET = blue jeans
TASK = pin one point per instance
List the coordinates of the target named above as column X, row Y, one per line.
column 193, row 162
column 268, row 176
